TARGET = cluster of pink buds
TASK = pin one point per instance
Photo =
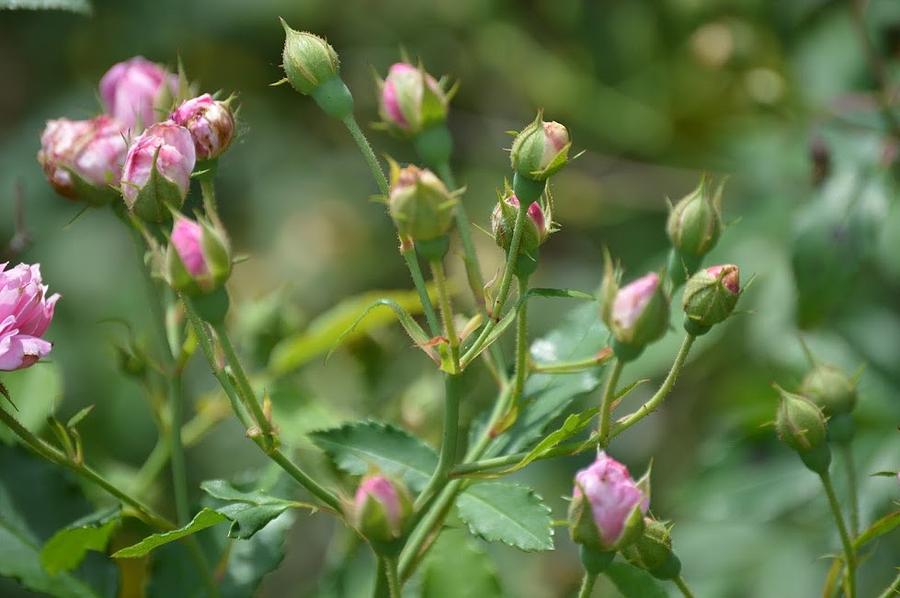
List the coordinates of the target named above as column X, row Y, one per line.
column 25, row 313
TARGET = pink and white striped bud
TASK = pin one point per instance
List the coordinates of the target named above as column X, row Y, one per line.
column 639, row 313
column 210, row 123
column 540, row 149
column 25, row 313
column 381, row 509
column 411, row 99
column 138, row 92
column 537, row 224
column 157, row 173
column 83, row 159
column 198, row 260
column 710, row 296
column 608, row 506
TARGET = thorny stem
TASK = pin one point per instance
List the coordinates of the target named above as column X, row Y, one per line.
column 609, row 392
column 449, row 442
column 440, row 281
column 849, row 553
column 412, row 263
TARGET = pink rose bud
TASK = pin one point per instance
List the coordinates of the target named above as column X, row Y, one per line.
column 540, row 149
column 210, row 122
column 710, row 297
column 83, row 158
column 411, row 99
column 381, row 509
column 503, row 221
column 138, row 92
column 25, row 314
column 420, row 204
column 638, row 314
column 199, row 258
column 608, row 506
column 157, row 173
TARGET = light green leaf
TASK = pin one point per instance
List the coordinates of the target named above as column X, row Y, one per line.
column 359, row 446
column 66, row 549
column 633, row 582
column 35, row 391
column 325, row 330
column 81, row 6
column 249, row 512
column 457, row 567
column 204, row 519
column 881, row 527
column 508, row 513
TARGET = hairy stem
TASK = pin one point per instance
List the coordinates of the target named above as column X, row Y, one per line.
column 521, row 370
column 587, row 585
column 366, row 150
column 849, row 553
column 440, row 281
column 449, row 442
column 415, row 272
column 609, row 392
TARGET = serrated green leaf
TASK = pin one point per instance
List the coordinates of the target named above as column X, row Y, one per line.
column 35, row 391
column 20, row 557
column 204, row 519
column 633, row 582
column 508, row 513
column 358, row 447
column 457, row 567
column 80, row 6
column 250, row 560
column 66, row 549
column 324, row 331
column 249, row 512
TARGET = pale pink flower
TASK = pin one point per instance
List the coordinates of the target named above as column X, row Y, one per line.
column 25, row 314
column 612, row 495
column 131, row 91
column 381, row 489
column 403, row 97
column 172, row 147
column 632, row 299
column 210, row 123
column 187, row 238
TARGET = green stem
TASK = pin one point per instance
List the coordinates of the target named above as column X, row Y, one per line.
column 654, row 402
column 849, row 554
column 449, row 443
column 850, row 466
column 893, row 590
column 682, row 585
column 393, row 578
column 208, row 193
column 316, row 489
column 521, row 370
column 366, row 150
column 571, row 367
column 609, row 392
column 412, row 262
column 54, row 455
column 587, row 585
column 440, row 281
column 511, row 256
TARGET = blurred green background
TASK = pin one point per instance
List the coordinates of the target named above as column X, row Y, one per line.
column 654, row 92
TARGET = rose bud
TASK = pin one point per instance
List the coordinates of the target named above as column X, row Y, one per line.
column 210, row 123
column 83, row 158
column 138, row 92
column 411, row 100
column 710, row 296
column 695, row 222
column 801, row 425
column 608, row 506
column 637, row 315
column 540, row 150
column 25, row 314
column 157, row 173
column 420, row 204
column 381, row 509
column 652, row 551
column 833, row 391
column 312, row 67
column 198, row 259
column 536, row 224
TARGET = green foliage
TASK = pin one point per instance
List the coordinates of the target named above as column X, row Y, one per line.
column 250, row 560
column 79, row 6
column 202, row 520
column 633, row 582
column 457, row 567
column 508, row 513
column 66, row 549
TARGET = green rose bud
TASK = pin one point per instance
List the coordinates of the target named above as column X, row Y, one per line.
column 801, row 425
column 695, row 222
column 540, row 149
column 710, row 297
column 653, row 551
column 420, row 204
column 833, row 391
column 381, row 510
column 537, row 224
column 312, row 67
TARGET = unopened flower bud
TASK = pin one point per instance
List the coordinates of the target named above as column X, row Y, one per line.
column 536, row 224
column 801, row 425
column 695, row 222
column 608, row 506
column 198, row 259
column 83, row 158
column 312, row 67
column 653, row 551
column 210, row 123
column 411, row 99
column 157, row 173
column 138, row 92
column 540, row 149
column 420, row 204
column 637, row 315
column 26, row 310
column 833, row 391
column 710, row 296
column 381, row 509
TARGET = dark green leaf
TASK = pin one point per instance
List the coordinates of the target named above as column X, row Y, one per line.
column 249, row 512
column 633, row 582
column 204, row 519
column 250, row 560
column 66, row 549
column 359, row 446
column 81, row 6
column 508, row 513
column 457, row 567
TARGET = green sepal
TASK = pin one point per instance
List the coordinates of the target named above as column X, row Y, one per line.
column 527, row 189
column 158, row 197
column 434, row 145
column 90, row 194
column 212, row 307
column 594, row 561
column 433, row 249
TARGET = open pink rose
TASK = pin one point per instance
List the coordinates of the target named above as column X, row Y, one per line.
column 25, row 314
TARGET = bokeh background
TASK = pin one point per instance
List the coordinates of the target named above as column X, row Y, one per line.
column 778, row 95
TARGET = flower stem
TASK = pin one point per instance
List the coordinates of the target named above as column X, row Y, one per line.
column 587, row 585
column 681, row 585
column 54, row 455
column 609, row 392
column 366, row 150
column 521, row 370
column 440, row 280
column 850, row 465
column 412, row 263
column 893, row 590
column 656, row 400
column 393, row 578
column 449, row 442
column 572, row 367
column 849, row 554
